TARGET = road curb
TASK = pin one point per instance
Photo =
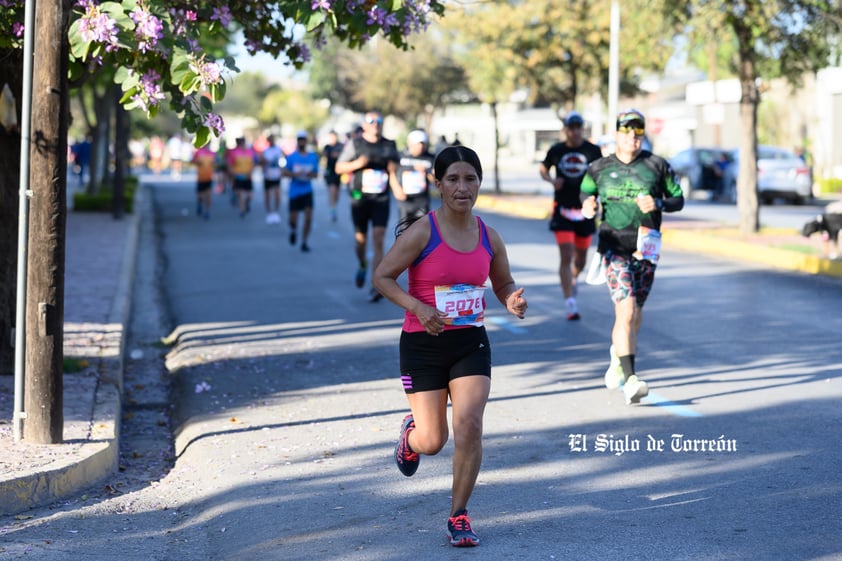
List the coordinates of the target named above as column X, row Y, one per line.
column 711, row 244
column 525, row 207
column 695, row 239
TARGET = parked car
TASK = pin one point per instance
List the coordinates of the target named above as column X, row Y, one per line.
column 780, row 174
column 705, row 170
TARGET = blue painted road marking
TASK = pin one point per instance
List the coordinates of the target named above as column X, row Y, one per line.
column 507, row 325
column 672, row 407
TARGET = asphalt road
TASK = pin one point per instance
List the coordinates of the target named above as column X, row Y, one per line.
column 288, row 405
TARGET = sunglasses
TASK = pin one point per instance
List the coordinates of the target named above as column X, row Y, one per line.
column 372, row 120
column 625, row 129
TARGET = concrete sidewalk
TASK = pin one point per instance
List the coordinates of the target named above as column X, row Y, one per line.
column 100, row 259
column 99, row 272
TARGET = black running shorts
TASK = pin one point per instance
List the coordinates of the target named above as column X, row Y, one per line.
column 301, row 202
column 242, row 184
column 365, row 210
column 430, row 362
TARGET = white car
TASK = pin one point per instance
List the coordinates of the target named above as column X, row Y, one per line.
column 780, row 174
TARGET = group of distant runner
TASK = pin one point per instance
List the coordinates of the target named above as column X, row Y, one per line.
column 369, row 166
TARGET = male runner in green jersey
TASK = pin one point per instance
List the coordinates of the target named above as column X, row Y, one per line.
column 634, row 187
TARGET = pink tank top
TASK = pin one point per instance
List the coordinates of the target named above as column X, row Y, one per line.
column 450, row 280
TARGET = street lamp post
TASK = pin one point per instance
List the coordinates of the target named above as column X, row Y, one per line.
column 23, row 217
column 614, row 64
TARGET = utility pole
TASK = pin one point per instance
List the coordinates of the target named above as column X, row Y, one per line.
column 44, row 422
column 717, row 126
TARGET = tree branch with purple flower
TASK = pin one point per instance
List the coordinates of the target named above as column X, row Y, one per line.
column 156, row 46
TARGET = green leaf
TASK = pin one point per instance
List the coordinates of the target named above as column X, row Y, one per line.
column 127, row 96
column 316, row 19
column 121, row 76
column 75, row 70
column 202, row 136
column 113, row 9
column 190, row 83
column 230, row 62
column 179, row 67
column 78, row 48
column 217, row 91
column 132, row 104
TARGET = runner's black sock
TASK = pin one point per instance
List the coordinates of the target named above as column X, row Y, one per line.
column 627, row 362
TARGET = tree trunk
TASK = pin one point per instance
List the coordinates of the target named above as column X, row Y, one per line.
column 101, row 136
column 43, row 398
column 11, row 70
column 747, row 204
column 497, row 188
column 121, row 148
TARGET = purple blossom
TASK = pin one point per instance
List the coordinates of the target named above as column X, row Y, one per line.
column 150, row 92
column 420, row 6
column 17, row 29
column 383, row 18
column 321, row 5
column 304, row 54
column 222, row 15
column 148, row 29
column 390, row 22
column 98, row 27
column 215, row 123
column 209, row 73
column 376, row 15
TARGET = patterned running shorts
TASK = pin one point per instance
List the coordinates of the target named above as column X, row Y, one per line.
column 628, row 276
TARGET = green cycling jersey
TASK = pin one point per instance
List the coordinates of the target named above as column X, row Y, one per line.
column 618, row 185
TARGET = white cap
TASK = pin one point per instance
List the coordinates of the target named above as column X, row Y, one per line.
column 302, row 134
column 416, row 137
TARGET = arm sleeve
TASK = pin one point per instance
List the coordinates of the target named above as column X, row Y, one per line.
column 588, row 186
column 673, row 195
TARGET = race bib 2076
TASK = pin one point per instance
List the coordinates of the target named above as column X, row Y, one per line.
column 464, row 304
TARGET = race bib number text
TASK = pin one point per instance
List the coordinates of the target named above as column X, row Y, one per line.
column 464, row 304
column 414, row 182
column 649, row 244
column 374, row 181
